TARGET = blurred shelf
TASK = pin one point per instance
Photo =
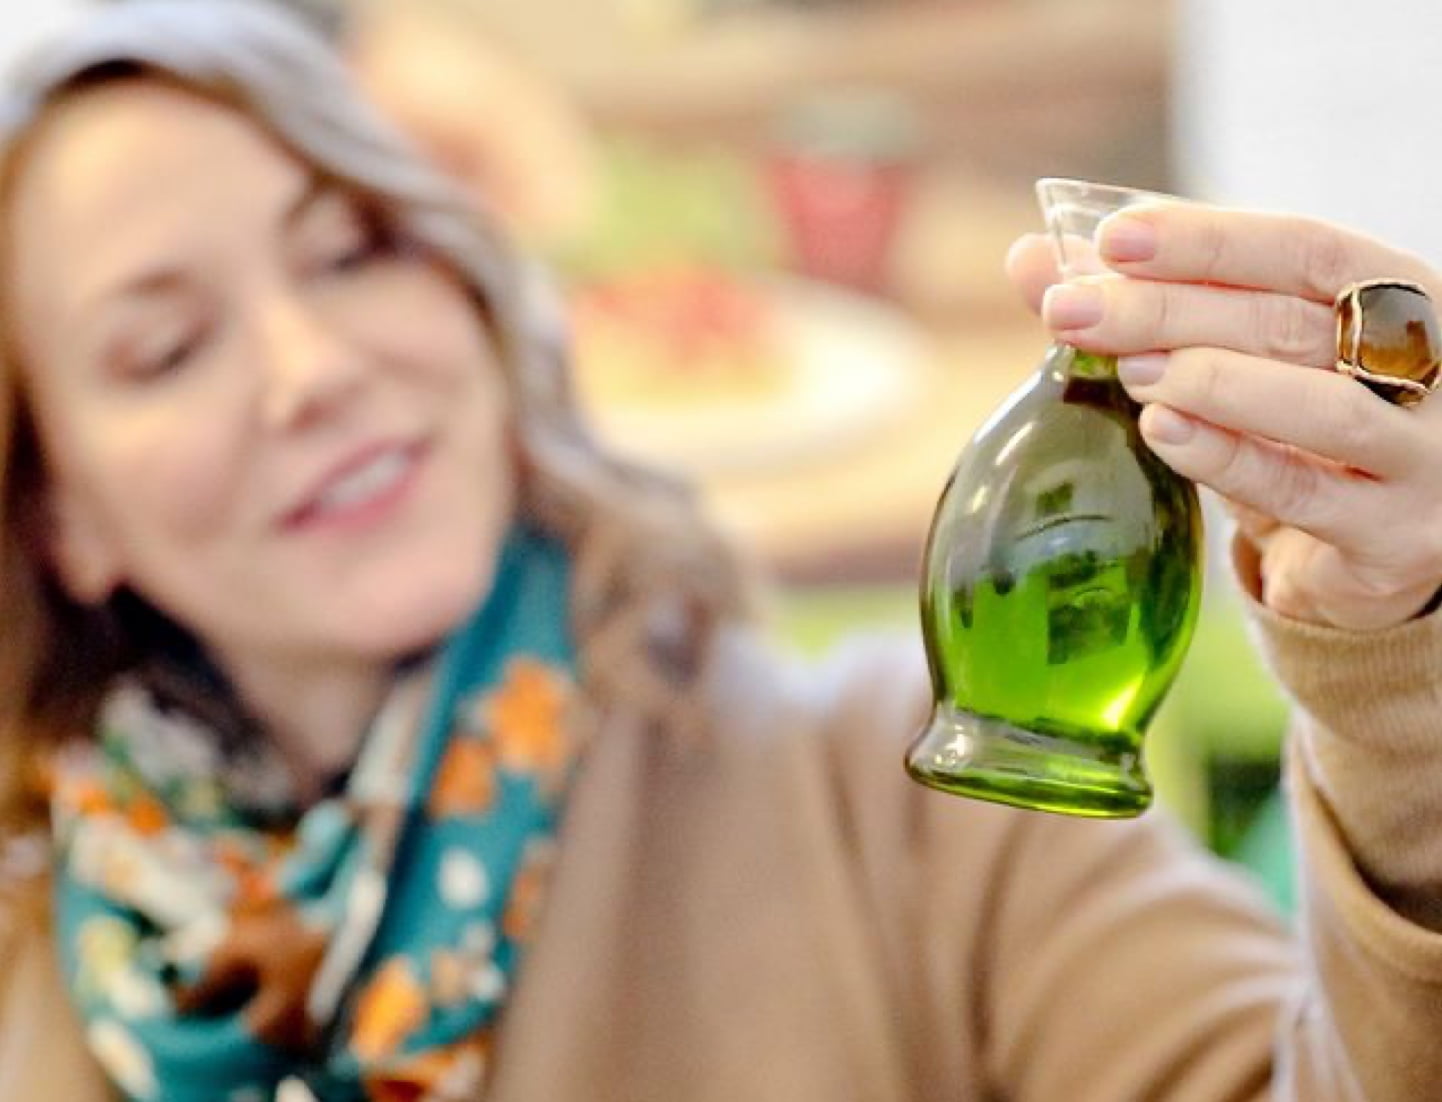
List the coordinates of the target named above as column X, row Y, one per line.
column 989, row 77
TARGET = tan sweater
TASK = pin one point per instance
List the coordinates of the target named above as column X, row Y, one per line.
column 779, row 915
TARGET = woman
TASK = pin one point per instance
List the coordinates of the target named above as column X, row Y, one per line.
column 315, row 588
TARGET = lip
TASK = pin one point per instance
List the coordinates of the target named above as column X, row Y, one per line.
column 310, row 514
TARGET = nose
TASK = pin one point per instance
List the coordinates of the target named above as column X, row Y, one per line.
column 309, row 369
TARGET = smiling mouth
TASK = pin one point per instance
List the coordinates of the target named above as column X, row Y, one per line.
column 363, row 493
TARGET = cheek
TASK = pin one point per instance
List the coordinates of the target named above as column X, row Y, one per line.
column 492, row 422
column 165, row 481
column 432, row 328
column 456, row 363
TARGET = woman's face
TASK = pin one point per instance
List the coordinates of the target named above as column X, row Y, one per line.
column 256, row 411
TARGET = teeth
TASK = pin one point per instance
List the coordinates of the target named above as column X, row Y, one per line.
column 377, row 476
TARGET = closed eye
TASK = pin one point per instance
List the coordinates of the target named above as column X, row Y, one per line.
column 144, row 362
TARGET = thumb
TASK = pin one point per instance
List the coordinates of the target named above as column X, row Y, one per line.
column 1031, row 267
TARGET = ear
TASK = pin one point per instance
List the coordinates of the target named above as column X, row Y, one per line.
column 79, row 550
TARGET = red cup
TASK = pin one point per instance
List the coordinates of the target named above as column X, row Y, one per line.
column 840, row 177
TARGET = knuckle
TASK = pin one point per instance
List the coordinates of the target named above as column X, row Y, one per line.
column 1229, row 472
column 1163, row 310
column 1200, row 377
column 1292, row 329
column 1337, row 418
column 1211, row 249
column 1278, row 482
column 1323, row 260
column 1352, row 422
column 1295, row 490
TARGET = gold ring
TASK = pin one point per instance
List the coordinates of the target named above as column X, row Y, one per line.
column 1388, row 339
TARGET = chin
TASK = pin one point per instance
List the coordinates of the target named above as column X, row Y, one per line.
column 422, row 607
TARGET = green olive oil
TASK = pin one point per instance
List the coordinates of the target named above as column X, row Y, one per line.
column 1061, row 588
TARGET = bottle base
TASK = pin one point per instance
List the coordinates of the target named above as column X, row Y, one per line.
column 988, row 759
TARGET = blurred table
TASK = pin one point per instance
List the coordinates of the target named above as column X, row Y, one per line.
column 1002, row 91
column 860, row 513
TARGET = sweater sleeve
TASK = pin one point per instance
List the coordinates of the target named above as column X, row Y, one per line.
column 1364, row 770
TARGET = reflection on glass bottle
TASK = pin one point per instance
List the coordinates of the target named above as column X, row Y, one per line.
column 1062, row 585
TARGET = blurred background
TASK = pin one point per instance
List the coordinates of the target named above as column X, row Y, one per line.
column 779, row 227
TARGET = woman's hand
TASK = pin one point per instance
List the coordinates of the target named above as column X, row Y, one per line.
column 1224, row 323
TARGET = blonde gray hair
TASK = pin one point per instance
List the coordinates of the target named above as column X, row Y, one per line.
column 652, row 582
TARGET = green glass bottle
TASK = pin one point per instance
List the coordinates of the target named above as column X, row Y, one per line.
column 1060, row 586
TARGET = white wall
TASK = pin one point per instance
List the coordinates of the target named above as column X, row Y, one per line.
column 1329, row 107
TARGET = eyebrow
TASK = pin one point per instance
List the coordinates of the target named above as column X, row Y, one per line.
column 167, row 278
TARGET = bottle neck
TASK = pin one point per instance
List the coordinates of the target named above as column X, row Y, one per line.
column 1088, row 365
column 1090, row 379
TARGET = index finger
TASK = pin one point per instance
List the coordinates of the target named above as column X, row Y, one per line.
column 1286, row 253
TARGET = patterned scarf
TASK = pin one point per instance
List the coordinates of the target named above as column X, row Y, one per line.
column 224, row 945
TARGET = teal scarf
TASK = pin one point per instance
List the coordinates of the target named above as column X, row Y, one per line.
column 223, row 945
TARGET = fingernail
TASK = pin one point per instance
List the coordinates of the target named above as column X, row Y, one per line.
column 1124, row 238
column 1072, row 306
column 1167, row 426
column 1141, row 370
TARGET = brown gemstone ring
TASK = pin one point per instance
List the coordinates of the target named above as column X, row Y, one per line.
column 1388, row 339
